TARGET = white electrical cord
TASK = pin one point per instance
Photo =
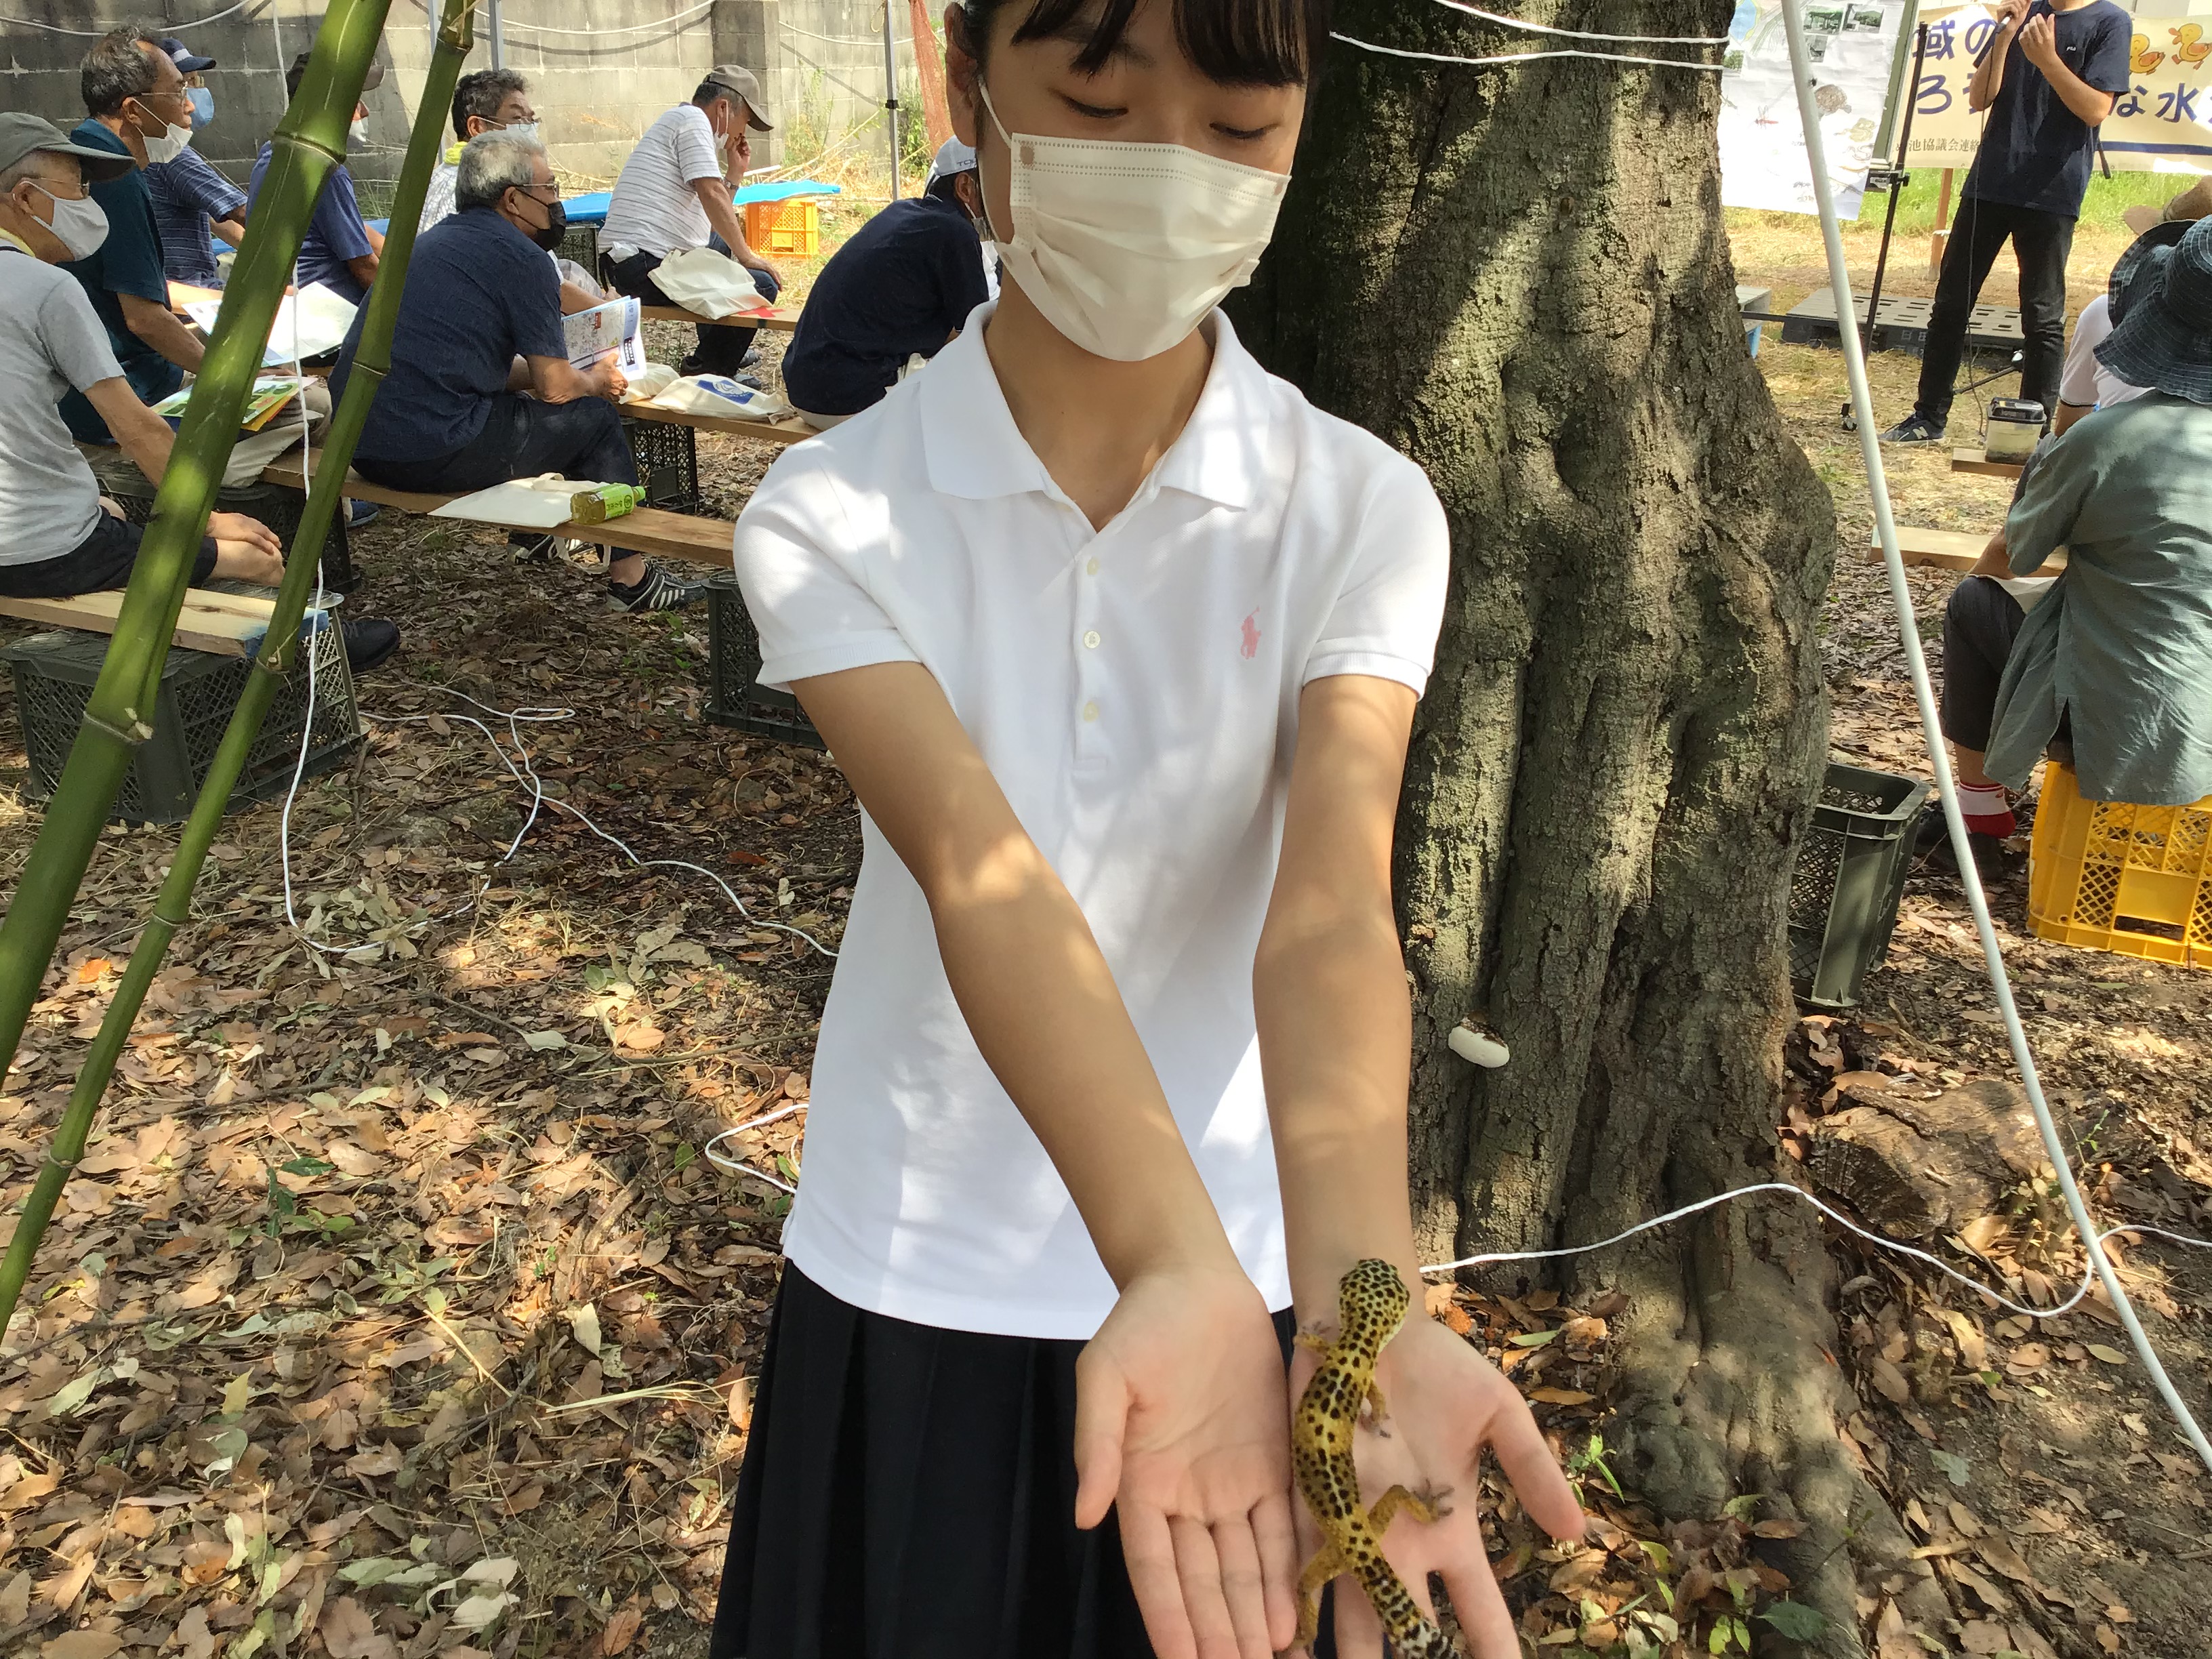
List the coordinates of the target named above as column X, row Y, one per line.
column 94, row 34
column 1931, row 731
column 1521, row 56
column 1578, row 34
column 723, row 1161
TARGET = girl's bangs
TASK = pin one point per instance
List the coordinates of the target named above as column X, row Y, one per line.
column 1270, row 43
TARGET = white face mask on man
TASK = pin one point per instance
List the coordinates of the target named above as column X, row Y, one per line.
column 79, row 223
column 167, row 144
column 1126, row 247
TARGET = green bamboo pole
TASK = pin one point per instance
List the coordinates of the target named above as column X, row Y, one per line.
column 173, row 908
column 309, row 140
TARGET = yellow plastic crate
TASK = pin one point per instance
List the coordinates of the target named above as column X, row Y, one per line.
column 2115, row 876
column 792, row 227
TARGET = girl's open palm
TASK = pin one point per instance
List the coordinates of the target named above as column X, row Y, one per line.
column 1180, row 1424
column 1446, row 1404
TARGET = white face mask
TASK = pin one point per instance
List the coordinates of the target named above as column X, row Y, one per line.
column 167, row 144
column 358, row 132
column 526, row 130
column 79, row 225
column 1126, row 247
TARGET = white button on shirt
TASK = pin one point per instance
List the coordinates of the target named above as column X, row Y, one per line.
column 1272, row 545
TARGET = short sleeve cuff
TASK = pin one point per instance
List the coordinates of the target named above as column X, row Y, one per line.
column 1374, row 665
column 853, row 651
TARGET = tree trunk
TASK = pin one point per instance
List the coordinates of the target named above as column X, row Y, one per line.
column 1520, row 277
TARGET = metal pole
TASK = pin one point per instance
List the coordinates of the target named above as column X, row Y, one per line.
column 1897, row 179
column 498, row 40
column 890, row 94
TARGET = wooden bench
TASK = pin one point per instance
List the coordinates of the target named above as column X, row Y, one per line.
column 223, row 624
column 1974, row 460
column 648, row 530
column 781, row 319
column 1948, row 549
column 782, row 434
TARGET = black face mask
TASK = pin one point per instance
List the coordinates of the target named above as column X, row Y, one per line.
column 556, row 227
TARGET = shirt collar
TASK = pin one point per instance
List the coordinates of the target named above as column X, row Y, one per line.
column 98, row 136
column 974, row 448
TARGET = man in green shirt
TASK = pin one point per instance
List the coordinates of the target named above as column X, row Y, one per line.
column 2119, row 650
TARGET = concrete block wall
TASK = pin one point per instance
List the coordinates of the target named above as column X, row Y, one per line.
column 625, row 62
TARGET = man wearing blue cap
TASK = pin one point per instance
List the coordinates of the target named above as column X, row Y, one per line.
column 899, row 289
column 191, row 199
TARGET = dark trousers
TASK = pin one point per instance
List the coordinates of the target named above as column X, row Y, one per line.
column 521, row 438
column 721, row 349
column 102, row 560
column 1979, row 625
column 2041, row 242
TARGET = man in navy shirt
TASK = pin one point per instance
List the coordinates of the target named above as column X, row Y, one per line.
column 190, row 197
column 899, row 289
column 2050, row 76
column 479, row 327
column 139, row 111
column 340, row 250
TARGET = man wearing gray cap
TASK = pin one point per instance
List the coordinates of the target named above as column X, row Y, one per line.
column 56, row 536
column 673, row 195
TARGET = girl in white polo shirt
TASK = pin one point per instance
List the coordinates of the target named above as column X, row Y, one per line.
column 1118, row 641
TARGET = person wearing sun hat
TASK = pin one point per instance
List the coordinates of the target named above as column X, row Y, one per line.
column 2116, row 660
column 2087, row 384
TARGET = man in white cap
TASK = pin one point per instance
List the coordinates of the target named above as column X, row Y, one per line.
column 673, row 195
column 900, row 288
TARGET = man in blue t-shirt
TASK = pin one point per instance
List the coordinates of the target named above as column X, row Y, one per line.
column 481, row 390
column 2050, row 76
column 191, row 198
column 340, row 249
column 139, row 111
column 899, row 289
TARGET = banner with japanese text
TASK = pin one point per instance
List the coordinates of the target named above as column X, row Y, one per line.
column 2161, row 123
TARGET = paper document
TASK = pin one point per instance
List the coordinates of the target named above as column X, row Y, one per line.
column 323, row 316
column 604, row 331
column 269, row 394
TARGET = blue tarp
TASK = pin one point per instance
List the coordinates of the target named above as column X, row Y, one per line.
column 591, row 208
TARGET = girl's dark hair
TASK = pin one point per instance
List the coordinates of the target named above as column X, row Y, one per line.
column 1269, row 43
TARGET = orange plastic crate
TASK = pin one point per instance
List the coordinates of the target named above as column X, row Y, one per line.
column 793, row 226
column 2115, row 876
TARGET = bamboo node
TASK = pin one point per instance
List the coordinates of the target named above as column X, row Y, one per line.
column 134, row 734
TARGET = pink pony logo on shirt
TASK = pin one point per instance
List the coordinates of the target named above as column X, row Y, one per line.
column 1250, row 648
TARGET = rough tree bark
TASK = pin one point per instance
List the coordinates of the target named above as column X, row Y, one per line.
column 1519, row 276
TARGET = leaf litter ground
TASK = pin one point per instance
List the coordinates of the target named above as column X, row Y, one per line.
column 396, row 1311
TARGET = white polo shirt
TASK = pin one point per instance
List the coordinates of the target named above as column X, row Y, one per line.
column 2085, row 382
column 1135, row 691
column 653, row 207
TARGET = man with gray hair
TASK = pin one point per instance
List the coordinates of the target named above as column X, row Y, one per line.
column 139, row 111
column 485, row 101
column 481, row 390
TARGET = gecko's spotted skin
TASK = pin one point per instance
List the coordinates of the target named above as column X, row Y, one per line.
column 1371, row 1305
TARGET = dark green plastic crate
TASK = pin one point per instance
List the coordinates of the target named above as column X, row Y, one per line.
column 667, row 457
column 1850, row 876
column 54, row 675
column 733, row 660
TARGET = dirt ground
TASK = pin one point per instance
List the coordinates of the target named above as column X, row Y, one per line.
column 398, row 1308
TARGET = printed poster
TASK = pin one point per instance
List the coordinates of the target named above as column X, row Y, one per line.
column 1852, row 45
column 2161, row 123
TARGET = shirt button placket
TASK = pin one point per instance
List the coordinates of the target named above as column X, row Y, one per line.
column 1088, row 672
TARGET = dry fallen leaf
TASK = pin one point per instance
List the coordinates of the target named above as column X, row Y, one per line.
column 621, row 1631
column 82, row 1644
column 348, row 1631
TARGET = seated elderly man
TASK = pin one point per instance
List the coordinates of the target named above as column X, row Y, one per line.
column 486, row 100
column 2116, row 657
column 481, row 389
column 58, row 537
column 340, row 249
column 900, row 288
column 2087, row 384
column 673, row 195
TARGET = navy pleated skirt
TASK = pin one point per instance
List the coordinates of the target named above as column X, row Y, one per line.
column 909, row 1493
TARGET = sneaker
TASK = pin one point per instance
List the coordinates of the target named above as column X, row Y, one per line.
column 656, row 591
column 369, row 641
column 532, row 547
column 362, row 513
column 1914, row 429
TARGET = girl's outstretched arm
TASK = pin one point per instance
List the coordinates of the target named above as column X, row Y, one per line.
column 1335, row 1031
column 1180, row 1417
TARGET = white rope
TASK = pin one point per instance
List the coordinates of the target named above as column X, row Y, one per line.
column 681, row 17
column 1521, row 57
column 734, row 1166
column 96, row 35
column 1578, row 34
column 1931, row 731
